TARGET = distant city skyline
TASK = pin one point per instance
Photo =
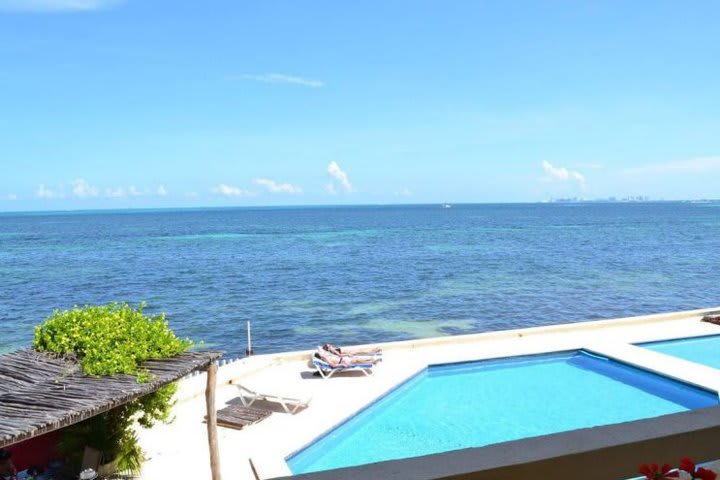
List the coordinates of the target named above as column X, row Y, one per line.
column 128, row 104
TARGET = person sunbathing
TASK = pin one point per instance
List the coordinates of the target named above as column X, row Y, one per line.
column 336, row 361
column 349, row 353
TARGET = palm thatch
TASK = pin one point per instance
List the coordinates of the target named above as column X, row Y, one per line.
column 40, row 393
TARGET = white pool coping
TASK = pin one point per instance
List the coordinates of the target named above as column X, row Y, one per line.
column 180, row 450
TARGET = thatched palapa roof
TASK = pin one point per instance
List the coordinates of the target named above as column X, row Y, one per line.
column 40, row 393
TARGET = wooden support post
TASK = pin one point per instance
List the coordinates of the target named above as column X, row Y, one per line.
column 212, row 421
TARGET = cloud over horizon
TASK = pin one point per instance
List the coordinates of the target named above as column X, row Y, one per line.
column 115, row 193
column 275, row 187
column 82, row 189
column 562, row 174
column 230, row 191
column 44, row 192
column 281, row 78
column 132, row 191
column 339, row 179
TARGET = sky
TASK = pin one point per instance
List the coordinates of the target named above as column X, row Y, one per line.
column 156, row 103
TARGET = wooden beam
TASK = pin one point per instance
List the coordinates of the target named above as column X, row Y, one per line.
column 212, row 421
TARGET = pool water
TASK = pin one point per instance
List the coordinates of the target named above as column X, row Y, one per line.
column 704, row 350
column 449, row 407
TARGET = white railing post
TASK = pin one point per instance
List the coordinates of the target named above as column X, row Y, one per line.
column 249, row 350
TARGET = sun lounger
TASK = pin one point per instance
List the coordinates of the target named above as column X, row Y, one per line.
column 327, row 370
column 370, row 354
column 289, row 404
column 237, row 416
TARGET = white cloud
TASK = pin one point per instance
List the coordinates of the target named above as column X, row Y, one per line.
column 82, row 189
column 274, row 187
column 405, row 192
column 40, row 6
column 562, row 174
column 44, row 192
column 230, row 191
column 281, row 78
column 115, row 193
column 11, row 196
column 692, row 165
column 339, row 178
column 134, row 192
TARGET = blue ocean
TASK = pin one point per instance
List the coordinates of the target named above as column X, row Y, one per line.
column 351, row 275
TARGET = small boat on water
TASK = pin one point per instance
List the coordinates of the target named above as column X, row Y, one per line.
column 446, row 205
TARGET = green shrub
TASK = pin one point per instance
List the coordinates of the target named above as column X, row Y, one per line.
column 108, row 340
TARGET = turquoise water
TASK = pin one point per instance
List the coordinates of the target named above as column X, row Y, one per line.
column 473, row 404
column 346, row 275
column 704, row 350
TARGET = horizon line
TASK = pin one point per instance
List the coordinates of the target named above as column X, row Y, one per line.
column 345, row 205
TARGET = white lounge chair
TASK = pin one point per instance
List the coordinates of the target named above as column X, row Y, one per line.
column 289, row 404
column 371, row 354
column 326, row 370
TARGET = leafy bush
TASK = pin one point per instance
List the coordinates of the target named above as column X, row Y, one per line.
column 107, row 340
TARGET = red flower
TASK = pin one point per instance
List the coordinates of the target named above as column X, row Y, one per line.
column 688, row 466
column 655, row 472
column 705, row 474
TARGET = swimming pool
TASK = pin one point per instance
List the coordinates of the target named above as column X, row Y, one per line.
column 704, row 350
column 449, row 407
